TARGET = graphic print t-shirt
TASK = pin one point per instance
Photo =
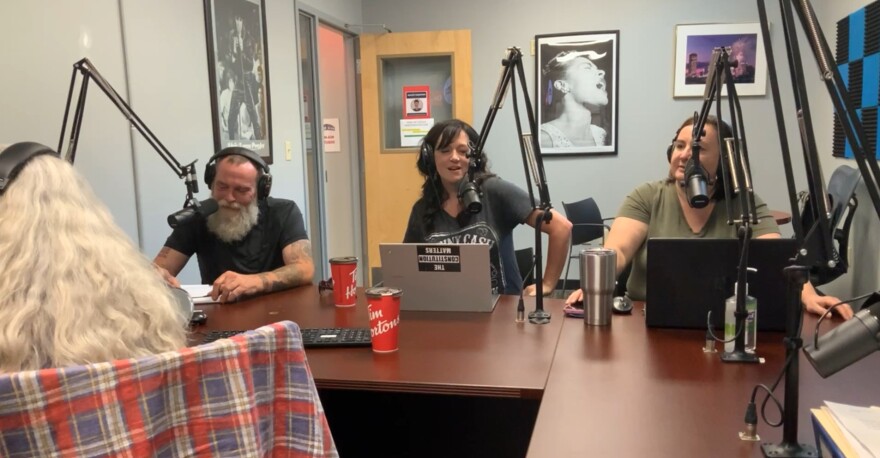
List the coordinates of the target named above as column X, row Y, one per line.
column 504, row 207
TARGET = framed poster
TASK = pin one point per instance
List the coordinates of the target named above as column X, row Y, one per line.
column 577, row 76
column 694, row 44
column 239, row 70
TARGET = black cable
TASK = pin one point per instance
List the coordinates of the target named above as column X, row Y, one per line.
column 770, row 396
column 709, row 332
column 828, row 312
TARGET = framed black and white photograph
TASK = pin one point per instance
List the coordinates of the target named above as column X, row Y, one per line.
column 239, row 70
column 694, row 44
column 577, row 76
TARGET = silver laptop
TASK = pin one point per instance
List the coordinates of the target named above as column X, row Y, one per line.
column 439, row 277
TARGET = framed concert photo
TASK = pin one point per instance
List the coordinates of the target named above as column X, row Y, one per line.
column 694, row 44
column 238, row 66
column 577, row 92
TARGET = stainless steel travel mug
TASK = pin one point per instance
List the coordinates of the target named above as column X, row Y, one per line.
column 598, row 273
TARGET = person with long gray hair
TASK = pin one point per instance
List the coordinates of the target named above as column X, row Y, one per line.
column 73, row 289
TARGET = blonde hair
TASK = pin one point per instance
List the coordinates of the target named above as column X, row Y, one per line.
column 73, row 288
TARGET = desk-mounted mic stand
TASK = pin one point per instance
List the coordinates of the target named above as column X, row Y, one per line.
column 89, row 72
column 734, row 164
column 855, row 134
column 532, row 163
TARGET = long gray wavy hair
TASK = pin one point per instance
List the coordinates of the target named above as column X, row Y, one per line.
column 73, row 288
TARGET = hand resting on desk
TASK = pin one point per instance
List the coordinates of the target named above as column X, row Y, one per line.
column 813, row 302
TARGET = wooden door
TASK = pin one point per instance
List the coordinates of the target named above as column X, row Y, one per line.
column 440, row 60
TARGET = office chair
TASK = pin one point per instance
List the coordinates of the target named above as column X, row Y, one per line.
column 841, row 192
column 525, row 262
column 250, row 395
column 587, row 225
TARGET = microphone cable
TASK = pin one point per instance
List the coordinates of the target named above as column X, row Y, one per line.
column 751, row 418
column 828, row 312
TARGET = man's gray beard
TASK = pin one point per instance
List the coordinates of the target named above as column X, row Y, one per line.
column 232, row 226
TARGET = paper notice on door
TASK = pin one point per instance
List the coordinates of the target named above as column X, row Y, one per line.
column 330, row 134
column 413, row 130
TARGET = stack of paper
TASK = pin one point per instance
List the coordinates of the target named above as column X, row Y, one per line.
column 200, row 294
column 853, row 431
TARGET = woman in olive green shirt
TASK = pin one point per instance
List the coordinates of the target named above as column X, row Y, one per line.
column 660, row 209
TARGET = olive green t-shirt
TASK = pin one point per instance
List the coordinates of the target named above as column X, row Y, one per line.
column 656, row 204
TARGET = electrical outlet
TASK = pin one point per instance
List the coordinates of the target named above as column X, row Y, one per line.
column 288, row 150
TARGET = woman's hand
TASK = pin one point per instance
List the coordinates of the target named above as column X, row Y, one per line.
column 531, row 289
column 575, row 296
column 817, row 304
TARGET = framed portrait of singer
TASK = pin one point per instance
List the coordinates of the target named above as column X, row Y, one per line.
column 694, row 44
column 577, row 93
column 239, row 75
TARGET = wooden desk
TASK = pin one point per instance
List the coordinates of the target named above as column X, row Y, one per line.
column 780, row 216
column 462, row 384
column 474, row 354
column 626, row 390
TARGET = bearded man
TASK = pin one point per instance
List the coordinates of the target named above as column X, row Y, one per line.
column 253, row 244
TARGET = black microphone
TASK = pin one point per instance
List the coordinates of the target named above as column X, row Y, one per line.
column 696, row 183
column 196, row 211
column 469, row 195
column 847, row 343
column 468, row 191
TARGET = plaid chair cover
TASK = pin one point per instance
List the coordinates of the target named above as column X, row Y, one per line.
column 251, row 395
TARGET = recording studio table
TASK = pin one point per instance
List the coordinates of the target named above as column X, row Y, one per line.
column 462, row 384
column 478, row 354
column 629, row 391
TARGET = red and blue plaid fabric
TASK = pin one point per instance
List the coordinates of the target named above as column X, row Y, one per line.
column 250, row 395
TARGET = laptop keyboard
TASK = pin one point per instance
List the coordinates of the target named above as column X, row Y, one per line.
column 314, row 337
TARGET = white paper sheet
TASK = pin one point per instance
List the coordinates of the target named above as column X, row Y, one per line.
column 861, row 425
column 200, row 294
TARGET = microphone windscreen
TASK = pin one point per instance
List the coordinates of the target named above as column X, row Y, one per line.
column 696, row 184
column 847, row 343
column 209, row 207
column 187, row 215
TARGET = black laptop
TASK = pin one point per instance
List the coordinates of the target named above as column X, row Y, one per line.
column 689, row 277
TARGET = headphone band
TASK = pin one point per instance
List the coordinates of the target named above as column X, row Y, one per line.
column 14, row 158
column 264, row 178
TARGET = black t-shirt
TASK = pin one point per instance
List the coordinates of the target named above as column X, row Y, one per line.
column 280, row 223
column 505, row 206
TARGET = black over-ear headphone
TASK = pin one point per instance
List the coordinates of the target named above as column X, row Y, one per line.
column 425, row 163
column 672, row 145
column 14, row 158
column 264, row 182
column 724, row 131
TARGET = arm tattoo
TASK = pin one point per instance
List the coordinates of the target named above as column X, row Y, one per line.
column 163, row 253
column 265, row 280
column 298, row 268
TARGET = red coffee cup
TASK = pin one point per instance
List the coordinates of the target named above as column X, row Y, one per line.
column 383, row 306
column 344, row 273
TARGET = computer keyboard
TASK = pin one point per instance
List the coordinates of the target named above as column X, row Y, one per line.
column 314, row 337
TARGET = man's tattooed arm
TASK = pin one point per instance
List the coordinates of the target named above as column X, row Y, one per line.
column 299, row 269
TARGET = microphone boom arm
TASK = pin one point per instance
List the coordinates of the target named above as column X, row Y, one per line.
column 90, row 73
column 869, row 169
column 530, row 149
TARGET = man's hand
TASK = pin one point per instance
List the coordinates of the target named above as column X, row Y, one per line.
column 231, row 286
column 170, row 279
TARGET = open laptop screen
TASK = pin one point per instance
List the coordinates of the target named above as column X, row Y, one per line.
column 688, row 277
column 439, row 277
